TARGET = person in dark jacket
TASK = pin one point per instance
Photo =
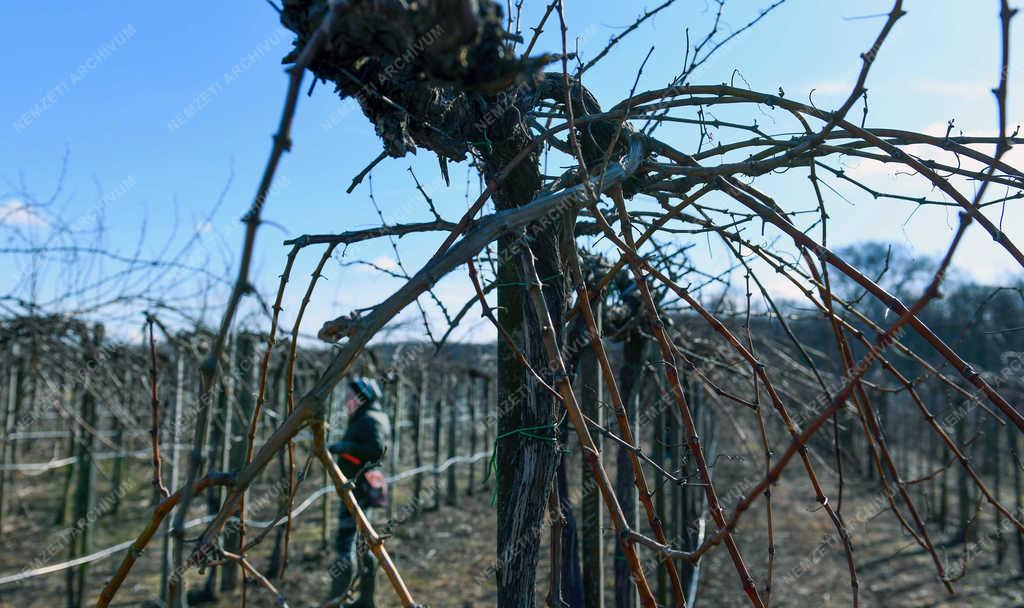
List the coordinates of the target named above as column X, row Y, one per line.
column 362, row 446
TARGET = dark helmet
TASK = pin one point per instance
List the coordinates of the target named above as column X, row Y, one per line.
column 367, row 389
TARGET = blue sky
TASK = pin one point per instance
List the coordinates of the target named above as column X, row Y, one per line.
column 107, row 85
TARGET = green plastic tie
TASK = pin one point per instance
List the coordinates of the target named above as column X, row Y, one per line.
column 524, row 283
column 526, row 432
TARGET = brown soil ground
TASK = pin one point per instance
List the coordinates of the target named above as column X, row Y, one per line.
column 811, row 567
column 443, row 555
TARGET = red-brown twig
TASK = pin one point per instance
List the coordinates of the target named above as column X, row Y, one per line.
column 154, row 429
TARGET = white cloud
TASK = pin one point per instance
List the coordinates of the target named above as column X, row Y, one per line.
column 868, row 168
column 15, row 212
column 384, row 262
column 1014, row 157
column 862, row 168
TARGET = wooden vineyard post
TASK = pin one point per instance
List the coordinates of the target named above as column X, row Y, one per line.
column 117, row 475
column 677, row 492
column 943, row 511
column 592, row 517
column 85, row 492
column 964, row 508
column 997, row 474
column 219, row 442
column 245, row 393
column 490, row 415
column 325, row 505
column 1013, row 445
column 417, row 434
column 179, row 379
column 7, row 454
column 276, row 561
column 438, row 423
column 659, row 440
column 631, row 381
column 63, row 392
column 452, row 497
column 471, row 404
column 394, row 453
column 689, row 500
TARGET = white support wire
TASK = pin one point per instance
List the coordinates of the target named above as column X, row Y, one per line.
column 308, row 502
